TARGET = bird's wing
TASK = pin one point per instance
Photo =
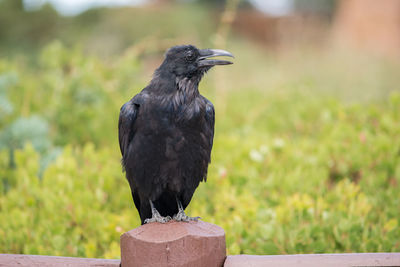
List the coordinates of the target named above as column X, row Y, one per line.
column 210, row 121
column 127, row 117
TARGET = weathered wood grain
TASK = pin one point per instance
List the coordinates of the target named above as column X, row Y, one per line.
column 20, row 260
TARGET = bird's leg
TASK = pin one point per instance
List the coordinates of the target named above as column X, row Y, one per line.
column 156, row 216
column 181, row 216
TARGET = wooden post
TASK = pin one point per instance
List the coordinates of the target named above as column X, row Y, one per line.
column 174, row 244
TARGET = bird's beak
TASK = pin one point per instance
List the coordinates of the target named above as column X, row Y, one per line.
column 203, row 60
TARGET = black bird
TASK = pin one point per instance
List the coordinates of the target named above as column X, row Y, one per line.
column 166, row 134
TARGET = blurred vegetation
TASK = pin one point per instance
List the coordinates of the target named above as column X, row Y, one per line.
column 306, row 156
column 322, row 7
column 101, row 31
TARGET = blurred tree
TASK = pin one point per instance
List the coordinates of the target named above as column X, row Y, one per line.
column 213, row 2
column 104, row 31
column 323, row 7
column 21, row 29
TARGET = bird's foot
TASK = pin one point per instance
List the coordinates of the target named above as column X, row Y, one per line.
column 182, row 217
column 158, row 218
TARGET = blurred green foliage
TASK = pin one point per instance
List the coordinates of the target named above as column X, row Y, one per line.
column 294, row 169
column 101, row 31
column 321, row 7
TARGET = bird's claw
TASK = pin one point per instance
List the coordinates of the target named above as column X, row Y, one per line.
column 182, row 217
column 158, row 218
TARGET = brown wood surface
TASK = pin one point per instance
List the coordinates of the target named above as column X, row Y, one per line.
column 20, row 260
column 309, row 260
column 192, row 244
column 315, row 260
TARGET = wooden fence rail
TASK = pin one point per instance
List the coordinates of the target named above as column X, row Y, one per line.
column 309, row 260
column 196, row 244
column 316, row 260
column 11, row 260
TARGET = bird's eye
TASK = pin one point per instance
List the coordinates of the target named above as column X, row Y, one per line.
column 190, row 55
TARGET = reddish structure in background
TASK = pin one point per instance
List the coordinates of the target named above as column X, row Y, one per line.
column 369, row 25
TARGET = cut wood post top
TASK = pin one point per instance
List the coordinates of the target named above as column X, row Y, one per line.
column 174, row 244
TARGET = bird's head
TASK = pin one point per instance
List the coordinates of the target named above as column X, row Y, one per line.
column 186, row 61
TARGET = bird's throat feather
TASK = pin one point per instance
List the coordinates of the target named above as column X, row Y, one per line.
column 187, row 91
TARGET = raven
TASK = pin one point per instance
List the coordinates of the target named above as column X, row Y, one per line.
column 166, row 134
